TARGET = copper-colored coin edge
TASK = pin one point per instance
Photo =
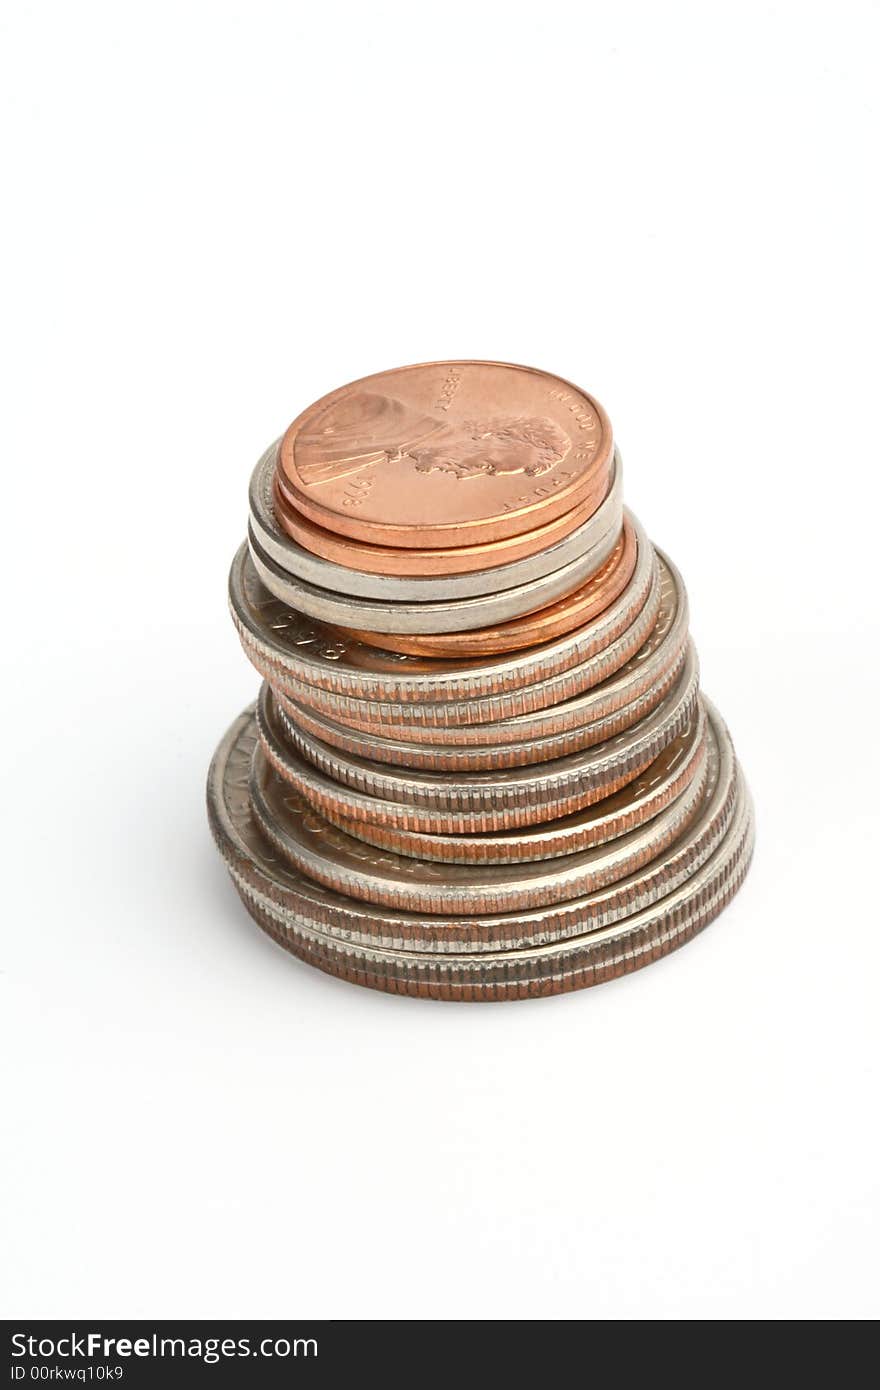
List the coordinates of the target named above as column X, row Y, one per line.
column 427, row 561
column 550, row 840
column 603, row 876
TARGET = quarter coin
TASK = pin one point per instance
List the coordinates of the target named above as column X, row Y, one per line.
column 594, row 958
column 352, row 866
column 360, row 789
column 682, row 762
column 540, row 951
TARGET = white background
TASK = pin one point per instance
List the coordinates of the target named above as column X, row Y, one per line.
column 215, row 213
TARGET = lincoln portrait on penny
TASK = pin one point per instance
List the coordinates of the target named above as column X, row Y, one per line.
column 365, row 428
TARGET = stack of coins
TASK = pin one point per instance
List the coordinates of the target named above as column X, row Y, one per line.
column 480, row 765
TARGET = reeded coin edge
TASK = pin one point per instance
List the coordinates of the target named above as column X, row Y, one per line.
column 609, row 883
column 541, row 841
column 449, row 757
column 515, row 789
column 642, row 670
column 359, row 924
column 594, row 959
column 288, row 662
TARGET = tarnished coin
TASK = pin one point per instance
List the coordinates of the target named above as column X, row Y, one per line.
column 580, row 963
column 348, row 865
column 351, row 567
column 605, row 709
column 601, row 572
column 359, row 789
column 681, row 765
column 302, row 656
column 505, row 955
column 445, row 454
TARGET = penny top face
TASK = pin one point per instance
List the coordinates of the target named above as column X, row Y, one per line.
column 445, row 454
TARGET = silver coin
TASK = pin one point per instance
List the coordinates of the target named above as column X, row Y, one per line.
column 439, row 720
column 348, row 865
column 293, row 559
column 449, row 615
column 546, row 943
column 681, row 763
column 448, row 757
column 494, row 787
column 290, row 649
column 587, row 960
column 359, row 789
column 612, row 705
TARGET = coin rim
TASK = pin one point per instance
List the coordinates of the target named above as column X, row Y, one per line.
column 607, row 869
column 453, row 681
column 486, row 805
column 458, row 740
column 298, row 559
column 333, row 915
column 595, row 958
column 431, row 617
column 548, row 840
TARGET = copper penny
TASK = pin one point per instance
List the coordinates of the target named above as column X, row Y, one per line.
column 586, row 602
column 417, row 564
column 445, row 454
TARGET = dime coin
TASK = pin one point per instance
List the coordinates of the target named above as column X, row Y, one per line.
column 547, row 547
column 607, row 567
column 296, row 652
column 577, row 607
column 682, row 764
column 360, row 789
column 349, row 865
column 605, row 708
column 544, row 949
column 483, row 449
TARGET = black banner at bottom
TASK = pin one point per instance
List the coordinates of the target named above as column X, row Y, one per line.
column 134, row 1353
